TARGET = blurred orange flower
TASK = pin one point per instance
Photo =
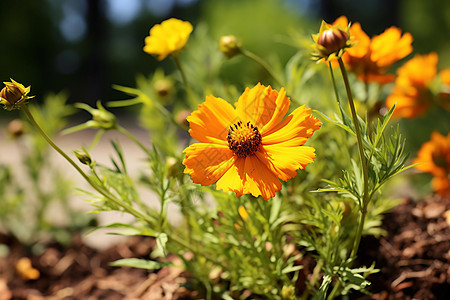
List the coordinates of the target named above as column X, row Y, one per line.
column 444, row 76
column 369, row 58
column 411, row 93
column 247, row 149
column 434, row 158
column 167, row 38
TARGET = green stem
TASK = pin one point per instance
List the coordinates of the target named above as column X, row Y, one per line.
column 334, row 83
column 133, row 138
column 365, row 195
column 261, row 62
column 180, row 68
column 191, row 97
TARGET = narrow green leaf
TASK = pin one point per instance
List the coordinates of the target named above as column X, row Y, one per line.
column 161, row 241
column 139, row 263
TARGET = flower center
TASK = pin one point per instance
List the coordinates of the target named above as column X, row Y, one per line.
column 243, row 139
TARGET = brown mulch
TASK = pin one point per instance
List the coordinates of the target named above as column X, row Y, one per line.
column 414, row 258
column 80, row 272
column 414, row 263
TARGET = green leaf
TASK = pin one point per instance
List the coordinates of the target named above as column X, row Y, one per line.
column 126, row 229
column 139, row 263
column 161, row 241
column 337, row 122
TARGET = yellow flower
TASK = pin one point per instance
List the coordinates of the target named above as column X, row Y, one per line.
column 411, row 93
column 247, row 149
column 331, row 41
column 167, row 38
column 370, row 58
column 14, row 94
column 434, row 158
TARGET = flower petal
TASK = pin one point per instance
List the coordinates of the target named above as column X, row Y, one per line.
column 210, row 123
column 262, row 106
column 250, row 176
column 390, row 46
column 294, row 130
column 285, row 161
column 206, row 163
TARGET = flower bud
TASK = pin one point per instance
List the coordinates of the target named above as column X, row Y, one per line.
column 14, row 94
column 181, row 117
column 332, row 40
column 16, row 128
column 163, row 87
column 174, row 168
column 83, row 157
column 104, row 119
column 230, row 45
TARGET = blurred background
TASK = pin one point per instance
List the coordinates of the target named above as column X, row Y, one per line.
column 83, row 47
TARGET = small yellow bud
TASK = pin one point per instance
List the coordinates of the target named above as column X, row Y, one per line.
column 230, row 45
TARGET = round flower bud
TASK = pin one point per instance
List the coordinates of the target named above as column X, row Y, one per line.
column 174, row 168
column 11, row 93
column 14, row 94
column 16, row 128
column 230, row 45
column 181, row 118
column 332, row 40
column 163, row 87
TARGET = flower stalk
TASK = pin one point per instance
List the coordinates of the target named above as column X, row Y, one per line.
column 365, row 198
column 262, row 63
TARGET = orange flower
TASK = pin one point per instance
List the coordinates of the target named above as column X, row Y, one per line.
column 369, row 58
column 434, row 158
column 411, row 92
column 247, row 149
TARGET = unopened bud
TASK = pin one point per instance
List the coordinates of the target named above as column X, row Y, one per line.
column 14, row 94
column 16, row 128
column 83, row 157
column 332, row 40
column 163, row 87
column 181, row 118
column 230, row 45
column 174, row 168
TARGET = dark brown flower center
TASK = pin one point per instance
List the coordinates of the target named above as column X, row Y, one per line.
column 243, row 139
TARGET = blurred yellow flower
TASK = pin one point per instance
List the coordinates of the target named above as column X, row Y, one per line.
column 434, row 158
column 247, row 149
column 370, row 58
column 167, row 38
column 411, row 94
column 14, row 94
